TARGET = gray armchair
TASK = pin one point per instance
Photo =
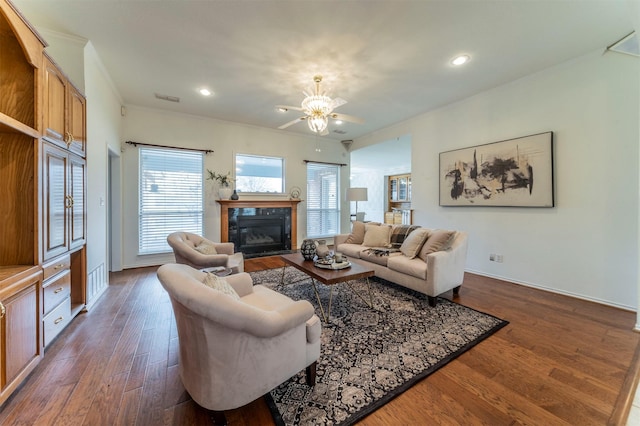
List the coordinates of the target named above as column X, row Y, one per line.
column 184, row 246
column 233, row 351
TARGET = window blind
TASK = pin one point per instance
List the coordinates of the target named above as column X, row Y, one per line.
column 323, row 200
column 171, row 196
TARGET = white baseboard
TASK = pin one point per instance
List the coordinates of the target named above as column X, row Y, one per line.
column 556, row 291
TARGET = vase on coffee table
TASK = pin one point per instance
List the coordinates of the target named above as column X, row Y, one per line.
column 308, row 249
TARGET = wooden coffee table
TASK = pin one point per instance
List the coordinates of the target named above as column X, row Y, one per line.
column 329, row 277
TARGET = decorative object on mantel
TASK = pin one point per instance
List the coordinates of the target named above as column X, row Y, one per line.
column 308, row 249
column 234, row 196
column 224, row 183
column 294, row 193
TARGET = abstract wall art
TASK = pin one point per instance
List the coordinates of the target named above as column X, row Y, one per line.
column 512, row 173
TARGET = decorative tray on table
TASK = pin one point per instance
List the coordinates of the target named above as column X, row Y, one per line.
column 331, row 264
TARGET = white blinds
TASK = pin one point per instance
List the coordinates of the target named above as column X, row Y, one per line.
column 171, row 196
column 323, row 200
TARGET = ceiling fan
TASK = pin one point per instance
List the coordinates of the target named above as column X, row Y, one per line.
column 318, row 108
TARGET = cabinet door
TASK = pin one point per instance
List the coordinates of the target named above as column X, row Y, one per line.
column 20, row 332
column 56, row 201
column 76, row 189
column 55, row 102
column 76, row 122
column 393, row 189
column 402, row 188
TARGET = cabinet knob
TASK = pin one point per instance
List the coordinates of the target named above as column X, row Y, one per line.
column 3, row 310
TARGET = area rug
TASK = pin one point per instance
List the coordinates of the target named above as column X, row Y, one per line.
column 369, row 356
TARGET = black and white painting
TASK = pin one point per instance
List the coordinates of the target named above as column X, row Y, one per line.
column 512, row 173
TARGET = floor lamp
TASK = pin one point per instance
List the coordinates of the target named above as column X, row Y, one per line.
column 357, row 194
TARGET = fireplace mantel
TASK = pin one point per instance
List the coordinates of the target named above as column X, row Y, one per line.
column 225, row 205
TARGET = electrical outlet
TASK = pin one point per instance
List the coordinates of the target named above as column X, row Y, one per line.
column 492, row 257
column 499, row 258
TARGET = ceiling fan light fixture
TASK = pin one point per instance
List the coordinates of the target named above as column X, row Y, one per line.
column 318, row 123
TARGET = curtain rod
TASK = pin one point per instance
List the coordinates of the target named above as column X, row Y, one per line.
column 324, row 162
column 206, row 151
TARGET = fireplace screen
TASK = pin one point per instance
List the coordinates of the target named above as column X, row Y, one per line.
column 256, row 231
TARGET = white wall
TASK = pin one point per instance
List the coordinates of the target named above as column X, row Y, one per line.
column 226, row 139
column 587, row 245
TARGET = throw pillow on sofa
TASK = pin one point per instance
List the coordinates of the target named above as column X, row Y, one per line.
column 414, row 242
column 357, row 233
column 439, row 240
column 399, row 233
column 376, row 235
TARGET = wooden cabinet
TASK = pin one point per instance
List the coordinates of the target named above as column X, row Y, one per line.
column 65, row 110
column 64, row 223
column 42, row 217
column 20, row 347
column 399, row 200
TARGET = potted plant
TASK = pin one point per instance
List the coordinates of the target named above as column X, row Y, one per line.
column 224, row 183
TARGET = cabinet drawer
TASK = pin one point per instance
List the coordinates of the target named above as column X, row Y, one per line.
column 56, row 291
column 55, row 322
column 56, row 266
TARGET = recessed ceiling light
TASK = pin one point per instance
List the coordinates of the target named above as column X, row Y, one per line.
column 205, row 92
column 460, row 60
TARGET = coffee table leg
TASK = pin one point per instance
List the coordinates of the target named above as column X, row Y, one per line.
column 370, row 302
column 282, row 278
column 315, row 290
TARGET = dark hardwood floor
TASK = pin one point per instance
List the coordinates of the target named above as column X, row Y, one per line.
column 559, row 361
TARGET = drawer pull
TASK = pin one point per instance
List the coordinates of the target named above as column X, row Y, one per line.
column 58, row 290
column 58, row 320
column 59, row 266
column 3, row 310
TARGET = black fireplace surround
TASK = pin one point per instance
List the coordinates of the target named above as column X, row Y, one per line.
column 260, row 231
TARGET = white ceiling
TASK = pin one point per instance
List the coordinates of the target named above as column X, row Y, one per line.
column 388, row 59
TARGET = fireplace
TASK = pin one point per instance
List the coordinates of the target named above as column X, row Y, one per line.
column 260, row 231
column 259, row 227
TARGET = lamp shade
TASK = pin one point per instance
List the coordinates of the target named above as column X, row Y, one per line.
column 356, row 194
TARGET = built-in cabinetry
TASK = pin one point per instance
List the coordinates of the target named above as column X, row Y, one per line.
column 399, row 199
column 34, row 215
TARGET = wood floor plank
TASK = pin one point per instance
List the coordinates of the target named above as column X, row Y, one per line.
column 561, row 360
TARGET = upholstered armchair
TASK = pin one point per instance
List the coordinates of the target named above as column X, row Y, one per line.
column 235, row 350
column 195, row 251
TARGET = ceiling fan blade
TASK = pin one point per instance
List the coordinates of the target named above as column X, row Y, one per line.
column 335, row 103
column 345, row 117
column 292, row 122
column 289, row 107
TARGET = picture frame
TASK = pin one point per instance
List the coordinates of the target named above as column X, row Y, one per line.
column 511, row 173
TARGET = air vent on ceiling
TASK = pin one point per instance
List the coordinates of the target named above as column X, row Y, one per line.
column 167, row 98
column 629, row 45
column 340, row 132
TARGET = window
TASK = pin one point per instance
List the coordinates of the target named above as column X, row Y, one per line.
column 256, row 173
column 171, row 196
column 323, row 200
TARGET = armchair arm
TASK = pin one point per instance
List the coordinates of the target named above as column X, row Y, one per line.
column 224, row 248
column 241, row 283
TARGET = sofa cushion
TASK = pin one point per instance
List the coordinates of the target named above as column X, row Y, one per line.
column 399, row 233
column 357, row 233
column 439, row 240
column 351, row 250
column 413, row 243
column 413, row 267
column 220, row 284
column 376, row 236
column 377, row 257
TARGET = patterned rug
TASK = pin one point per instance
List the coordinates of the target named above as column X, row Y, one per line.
column 368, row 356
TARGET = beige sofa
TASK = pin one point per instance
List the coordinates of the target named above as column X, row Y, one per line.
column 432, row 264
column 236, row 345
